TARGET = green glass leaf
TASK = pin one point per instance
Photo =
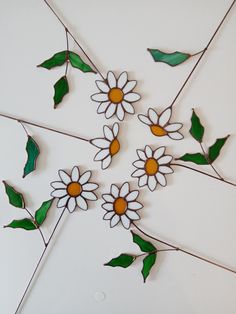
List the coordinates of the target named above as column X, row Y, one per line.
column 15, row 198
column 124, row 260
column 196, row 158
column 61, row 88
column 171, row 59
column 26, row 224
column 148, row 263
column 41, row 213
column 32, row 150
column 57, row 59
column 196, row 130
column 144, row 246
column 215, row 149
column 78, row 63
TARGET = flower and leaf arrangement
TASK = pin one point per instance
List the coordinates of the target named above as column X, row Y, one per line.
column 76, row 189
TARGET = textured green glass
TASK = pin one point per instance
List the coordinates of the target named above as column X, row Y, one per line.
column 57, row 59
column 26, row 224
column 15, row 198
column 32, row 150
column 144, row 246
column 61, row 88
column 171, row 59
column 78, row 63
column 215, row 149
column 148, row 263
column 196, row 130
column 41, row 213
column 124, row 260
column 196, row 158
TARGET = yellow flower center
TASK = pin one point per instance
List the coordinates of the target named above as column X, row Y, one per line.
column 74, row 189
column 120, row 206
column 114, row 147
column 151, row 166
column 116, row 95
column 158, row 130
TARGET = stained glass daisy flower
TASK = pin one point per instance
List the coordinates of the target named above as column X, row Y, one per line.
column 116, row 96
column 152, row 167
column 121, row 205
column 109, row 145
column 74, row 190
column 159, row 124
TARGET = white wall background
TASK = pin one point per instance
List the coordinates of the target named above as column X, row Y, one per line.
column 193, row 211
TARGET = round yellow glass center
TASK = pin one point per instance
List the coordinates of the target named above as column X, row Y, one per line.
column 116, row 95
column 158, row 130
column 74, row 189
column 114, row 147
column 151, row 166
column 120, row 206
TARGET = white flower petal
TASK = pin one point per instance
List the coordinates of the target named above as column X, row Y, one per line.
column 108, row 206
column 124, row 189
column 100, row 142
column 165, row 169
column 135, row 205
column 129, row 86
column 132, row 215
column 152, row 183
column 108, row 133
column 75, row 174
column 132, row 196
column 62, row 201
column 120, row 112
column 138, row 173
column 110, row 111
column 99, row 97
column 142, row 180
column 90, row 186
column 144, row 119
column 115, row 129
column 103, row 106
column 128, row 107
column 122, row 80
column 111, row 79
column 159, row 152
column 81, row 203
column 175, row 136
column 141, row 154
column 102, row 86
column 125, row 221
column 58, row 185
column 165, row 117
column 59, row 193
column 139, row 164
column 161, row 179
column 71, row 204
column 148, row 151
column 108, row 198
column 114, row 221
column 89, row 196
column 64, row 176
column 108, row 215
column 132, row 97
column 106, row 162
column 173, row 127
column 85, row 177
column 102, row 154
column 114, row 190
column 165, row 160
column 153, row 115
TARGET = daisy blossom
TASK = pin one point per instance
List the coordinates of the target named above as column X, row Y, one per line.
column 109, row 145
column 121, row 205
column 159, row 124
column 116, row 96
column 152, row 167
column 74, row 190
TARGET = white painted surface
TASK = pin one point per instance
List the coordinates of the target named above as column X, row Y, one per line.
column 193, row 211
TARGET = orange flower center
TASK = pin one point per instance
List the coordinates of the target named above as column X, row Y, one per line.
column 114, row 147
column 158, row 130
column 151, row 166
column 116, row 95
column 120, row 206
column 74, row 189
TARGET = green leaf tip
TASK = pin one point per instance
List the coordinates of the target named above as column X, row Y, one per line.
column 15, row 198
column 56, row 60
column 26, row 224
column 215, row 149
column 41, row 213
column 33, row 152
column 196, row 158
column 123, row 260
column 78, row 63
column 196, row 130
column 61, row 88
column 148, row 263
column 144, row 245
column 173, row 59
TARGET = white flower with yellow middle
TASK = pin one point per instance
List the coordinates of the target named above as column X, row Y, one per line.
column 116, row 96
column 74, row 190
column 121, row 205
column 159, row 124
column 109, row 145
column 152, row 167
